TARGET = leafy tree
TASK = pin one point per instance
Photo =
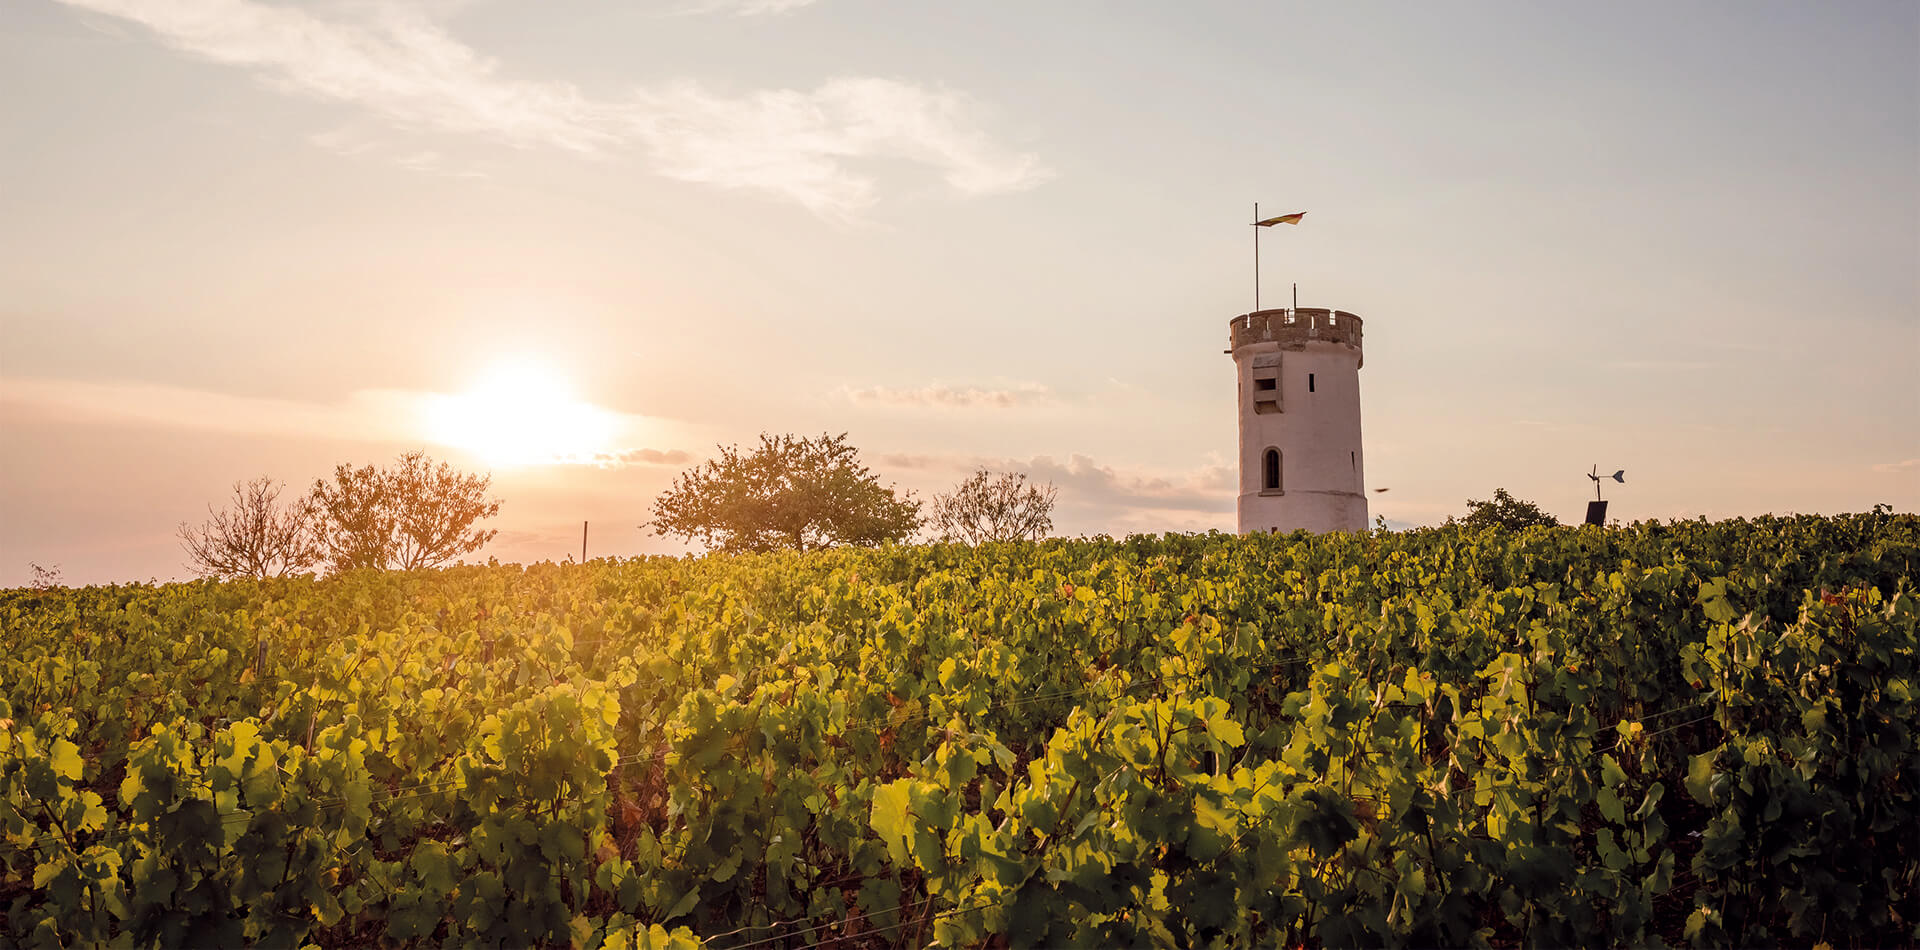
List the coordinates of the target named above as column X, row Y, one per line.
column 255, row 536
column 411, row 516
column 1505, row 511
column 789, row 492
column 353, row 521
column 989, row 508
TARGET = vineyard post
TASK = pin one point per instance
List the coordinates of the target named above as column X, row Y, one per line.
column 583, row 542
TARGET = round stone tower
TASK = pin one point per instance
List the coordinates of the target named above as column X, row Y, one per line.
column 1300, row 460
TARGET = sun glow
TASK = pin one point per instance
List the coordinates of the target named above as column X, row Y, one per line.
column 521, row 415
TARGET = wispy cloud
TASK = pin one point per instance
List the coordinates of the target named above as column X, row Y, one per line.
column 1095, row 490
column 352, row 141
column 1661, row 365
column 1543, row 425
column 917, row 462
column 745, row 8
column 394, row 59
column 344, row 141
column 1207, row 489
column 398, row 61
column 631, row 457
column 951, row 397
column 797, row 144
column 1745, row 346
column 395, row 416
column 1904, row 465
column 371, row 415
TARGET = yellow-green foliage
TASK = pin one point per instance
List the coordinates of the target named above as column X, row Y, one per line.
column 1687, row 733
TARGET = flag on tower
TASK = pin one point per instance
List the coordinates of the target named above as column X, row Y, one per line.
column 1282, row 219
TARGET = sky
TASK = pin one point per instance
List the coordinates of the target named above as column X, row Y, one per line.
column 579, row 245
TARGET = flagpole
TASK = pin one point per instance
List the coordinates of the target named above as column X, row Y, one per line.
column 1256, row 257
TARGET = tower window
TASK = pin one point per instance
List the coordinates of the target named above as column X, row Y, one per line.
column 1263, row 383
column 1309, row 382
column 1270, row 471
column 1353, row 459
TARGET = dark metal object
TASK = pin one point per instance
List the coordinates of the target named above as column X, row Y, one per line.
column 1597, row 508
column 1619, row 476
column 1597, row 513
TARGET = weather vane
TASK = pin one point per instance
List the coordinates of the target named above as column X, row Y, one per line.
column 1597, row 508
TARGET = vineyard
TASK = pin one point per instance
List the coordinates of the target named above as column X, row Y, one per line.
column 1690, row 733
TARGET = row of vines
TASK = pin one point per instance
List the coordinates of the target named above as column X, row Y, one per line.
column 1690, row 733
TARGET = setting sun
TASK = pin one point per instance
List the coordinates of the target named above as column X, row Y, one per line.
column 521, row 415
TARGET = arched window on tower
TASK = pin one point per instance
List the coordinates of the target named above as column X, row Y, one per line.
column 1270, row 471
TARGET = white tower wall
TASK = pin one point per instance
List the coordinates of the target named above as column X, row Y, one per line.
column 1299, row 396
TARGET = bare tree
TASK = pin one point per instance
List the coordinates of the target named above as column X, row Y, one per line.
column 434, row 510
column 414, row 515
column 44, row 578
column 987, row 507
column 255, row 537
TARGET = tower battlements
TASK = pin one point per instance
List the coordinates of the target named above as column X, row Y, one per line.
column 1298, row 385
column 1294, row 327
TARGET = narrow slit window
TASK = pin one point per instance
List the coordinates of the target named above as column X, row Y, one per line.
column 1309, row 382
column 1264, row 384
column 1270, row 471
column 1353, row 459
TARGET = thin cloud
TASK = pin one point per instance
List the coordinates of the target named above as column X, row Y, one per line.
column 345, row 142
column 951, row 397
column 631, row 457
column 913, row 462
column 1661, row 365
column 745, row 8
column 1745, row 346
column 373, row 415
column 1904, row 465
column 1098, row 491
column 398, row 62
column 624, row 458
column 797, row 144
column 423, row 161
column 1206, row 489
column 1544, row 425
column 354, row 143
column 370, row 415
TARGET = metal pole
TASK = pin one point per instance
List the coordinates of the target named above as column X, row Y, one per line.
column 1256, row 256
column 583, row 542
column 1296, row 295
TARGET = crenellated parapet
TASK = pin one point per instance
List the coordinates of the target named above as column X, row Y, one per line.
column 1297, row 383
column 1293, row 327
